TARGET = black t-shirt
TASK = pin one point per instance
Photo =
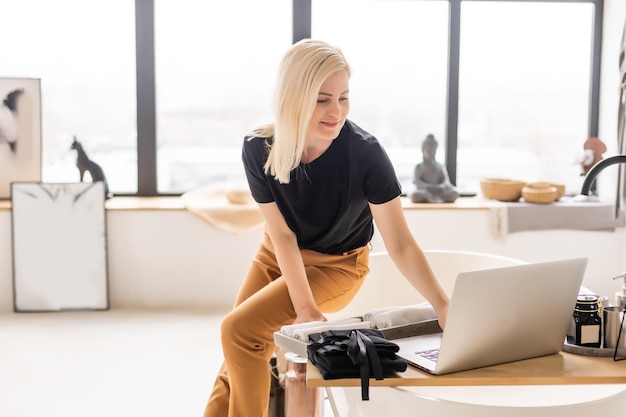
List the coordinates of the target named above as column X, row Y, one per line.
column 326, row 201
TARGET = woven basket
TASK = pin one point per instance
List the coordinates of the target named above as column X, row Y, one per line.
column 560, row 190
column 540, row 193
column 501, row 189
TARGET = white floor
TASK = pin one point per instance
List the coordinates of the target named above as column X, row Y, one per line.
column 108, row 363
column 116, row 363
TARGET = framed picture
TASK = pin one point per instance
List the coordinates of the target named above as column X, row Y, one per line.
column 20, row 132
column 59, row 247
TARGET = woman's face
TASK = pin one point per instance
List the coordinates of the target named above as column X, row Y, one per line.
column 331, row 109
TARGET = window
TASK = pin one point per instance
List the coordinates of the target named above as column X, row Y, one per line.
column 85, row 58
column 523, row 94
column 215, row 66
column 500, row 98
column 398, row 54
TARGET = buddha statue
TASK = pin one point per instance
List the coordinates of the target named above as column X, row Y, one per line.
column 432, row 184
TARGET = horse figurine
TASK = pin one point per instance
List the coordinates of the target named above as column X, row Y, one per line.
column 85, row 164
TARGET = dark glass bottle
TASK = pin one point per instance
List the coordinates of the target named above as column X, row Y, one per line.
column 587, row 321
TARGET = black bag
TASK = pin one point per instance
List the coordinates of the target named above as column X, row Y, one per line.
column 363, row 353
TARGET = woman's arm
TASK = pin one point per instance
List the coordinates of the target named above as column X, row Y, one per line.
column 291, row 264
column 408, row 256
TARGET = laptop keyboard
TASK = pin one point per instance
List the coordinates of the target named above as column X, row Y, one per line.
column 431, row 354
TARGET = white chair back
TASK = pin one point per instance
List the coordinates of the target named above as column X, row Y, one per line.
column 385, row 286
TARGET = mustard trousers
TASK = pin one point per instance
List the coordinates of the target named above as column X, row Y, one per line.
column 261, row 308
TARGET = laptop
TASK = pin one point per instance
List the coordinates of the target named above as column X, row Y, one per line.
column 501, row 315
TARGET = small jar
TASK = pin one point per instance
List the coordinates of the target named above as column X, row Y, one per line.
column 587, row 322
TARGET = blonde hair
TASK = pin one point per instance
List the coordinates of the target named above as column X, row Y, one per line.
column 303, row 70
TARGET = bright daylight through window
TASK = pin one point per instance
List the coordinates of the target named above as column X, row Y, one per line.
column 87, row 73
column 214, row 84
column 523, row 94
column 522, row 108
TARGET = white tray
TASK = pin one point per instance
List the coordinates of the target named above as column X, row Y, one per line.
column 298, row 347
column 290, row 344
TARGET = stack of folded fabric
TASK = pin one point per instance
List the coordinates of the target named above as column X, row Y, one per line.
column 386, row 317
column 301, row 331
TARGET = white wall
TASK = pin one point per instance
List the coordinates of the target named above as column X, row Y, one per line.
column 169, row 258
column 159, row 258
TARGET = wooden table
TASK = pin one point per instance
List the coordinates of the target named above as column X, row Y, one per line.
column 558, row 369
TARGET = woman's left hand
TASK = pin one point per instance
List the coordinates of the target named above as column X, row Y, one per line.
column 442, row 314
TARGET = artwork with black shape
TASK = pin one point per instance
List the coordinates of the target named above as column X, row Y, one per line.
column 84, row 164
column 8, row 119
column 430, row 178
column 59, row 247
column 20, row 132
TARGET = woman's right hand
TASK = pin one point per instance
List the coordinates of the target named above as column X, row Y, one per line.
column 290, row 262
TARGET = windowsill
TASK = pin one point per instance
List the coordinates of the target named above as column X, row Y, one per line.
column 131, row 203
column 145, row 203
column 462, row 203
column 504, row 218
column 177, row 203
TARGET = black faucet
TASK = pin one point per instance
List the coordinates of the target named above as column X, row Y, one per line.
column 595, row 170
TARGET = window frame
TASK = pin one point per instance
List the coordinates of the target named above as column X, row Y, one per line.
column 301, row 21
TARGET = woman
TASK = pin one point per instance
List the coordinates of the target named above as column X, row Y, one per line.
column 319, row 181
